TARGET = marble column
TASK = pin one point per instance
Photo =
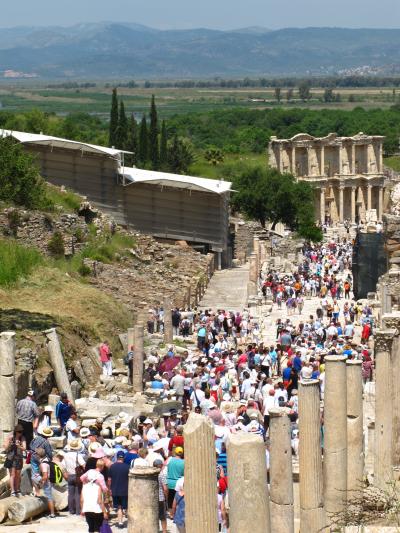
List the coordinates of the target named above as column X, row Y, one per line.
column 383, row 408
column 293, row 169
column 322, row 162
column 253, row 273
column 380, row 160
column 396, row 399
column 168, row 331
column 138, row 356
column 322, row 205
column 143, row 500
column 57, row 362
column 248, row 488
column 380, row 202
column 309, row 169
column 7, row 384
column 200, row 477
column 353, row 204
column 369, row 196
column 341, row 207
column 353, row 159
column 335, row 434
column 312, row 513
column 131, row 338
column 355, row 437
column 281, row 475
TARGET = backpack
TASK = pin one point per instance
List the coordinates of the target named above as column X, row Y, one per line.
column 56, row 474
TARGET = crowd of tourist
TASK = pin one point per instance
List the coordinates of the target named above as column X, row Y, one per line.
column 231, row 375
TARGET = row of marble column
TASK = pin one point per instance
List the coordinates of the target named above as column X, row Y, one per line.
column 353, row 189
column 346, row 165
column 324, row 485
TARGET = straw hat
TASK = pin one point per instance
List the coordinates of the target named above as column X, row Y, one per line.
column 46, row 432
column 75, row 445
column 48, row 409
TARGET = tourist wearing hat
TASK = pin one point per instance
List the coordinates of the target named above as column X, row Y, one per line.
column 14, row 447
column 45, row 418
column 175, row 469
column 150, row 434
column 41, row 441
column 75, row 463
column 27, row 414
column 118, row 476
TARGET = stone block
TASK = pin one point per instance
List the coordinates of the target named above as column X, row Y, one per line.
column 58, row 442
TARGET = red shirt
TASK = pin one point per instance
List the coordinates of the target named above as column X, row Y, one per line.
column 175, row 441
column 242, row 359
column 105, row 353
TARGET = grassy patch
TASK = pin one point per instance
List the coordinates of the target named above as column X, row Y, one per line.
column 203, row 168
column 68, row 200
column 106, row 248
column 16, row 262
column 393, row 162
column 51, row 293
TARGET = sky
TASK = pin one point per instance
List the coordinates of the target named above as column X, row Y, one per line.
column 216, row 14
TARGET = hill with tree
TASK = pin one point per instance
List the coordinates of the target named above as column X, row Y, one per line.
column 123, row 50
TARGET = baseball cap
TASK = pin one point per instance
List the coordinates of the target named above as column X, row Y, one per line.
column 120, row 454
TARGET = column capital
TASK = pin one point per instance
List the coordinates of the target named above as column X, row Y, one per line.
column 383, row 339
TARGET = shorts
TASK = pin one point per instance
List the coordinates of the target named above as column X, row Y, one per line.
column 120, row 501
column 162, row 510
column 48, row 491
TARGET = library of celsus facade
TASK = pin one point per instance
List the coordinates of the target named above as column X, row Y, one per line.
column 347, row 172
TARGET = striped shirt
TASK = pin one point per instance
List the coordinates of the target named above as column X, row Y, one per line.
column 27, row 410
column 162, row 480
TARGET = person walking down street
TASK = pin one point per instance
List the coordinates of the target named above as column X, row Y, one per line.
column 175, row 470
column 118, row 482
column 74, row 462
column 106, row 358
column 28, row 416
column 41, row 441
column 92, row 503
column 15, row 447
column 178, row 511
column 41, row 480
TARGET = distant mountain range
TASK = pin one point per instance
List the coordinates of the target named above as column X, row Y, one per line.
column 132, row 51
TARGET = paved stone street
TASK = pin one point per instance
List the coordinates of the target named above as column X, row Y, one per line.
column 227, row 289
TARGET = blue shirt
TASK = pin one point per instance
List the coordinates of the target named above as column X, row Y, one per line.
column 63, row 412
column 286, row 373
column 157, row 385
column 297, row 363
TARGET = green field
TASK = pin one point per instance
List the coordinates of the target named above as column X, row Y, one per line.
column 171, row 101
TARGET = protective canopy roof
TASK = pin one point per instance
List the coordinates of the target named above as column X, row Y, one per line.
column 57, row 142
column 137, row 175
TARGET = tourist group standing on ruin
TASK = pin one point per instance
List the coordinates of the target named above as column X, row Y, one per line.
column 236, row 374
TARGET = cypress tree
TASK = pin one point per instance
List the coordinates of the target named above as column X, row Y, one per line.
column 163, row 146
column 143, row 146
column 133, row 142
column 121, row 137
column 154, row 154
column 113, row 119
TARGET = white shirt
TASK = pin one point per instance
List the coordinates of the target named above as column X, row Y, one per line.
column 69, row 427
column 200, row 397
column 269, row 403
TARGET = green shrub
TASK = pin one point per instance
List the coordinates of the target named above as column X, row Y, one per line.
column 14, row 221
column 56, row 245
column 67, row 199
column 84, row 270
column 20, row 182
column 16, row 261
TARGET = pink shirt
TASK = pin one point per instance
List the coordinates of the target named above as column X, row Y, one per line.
column 104, row 353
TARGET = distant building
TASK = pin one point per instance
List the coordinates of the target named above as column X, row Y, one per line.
column 347, row 172
column 167, row 206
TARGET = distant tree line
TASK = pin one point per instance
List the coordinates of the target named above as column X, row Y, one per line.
column 289, row 81
column 149, row 143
